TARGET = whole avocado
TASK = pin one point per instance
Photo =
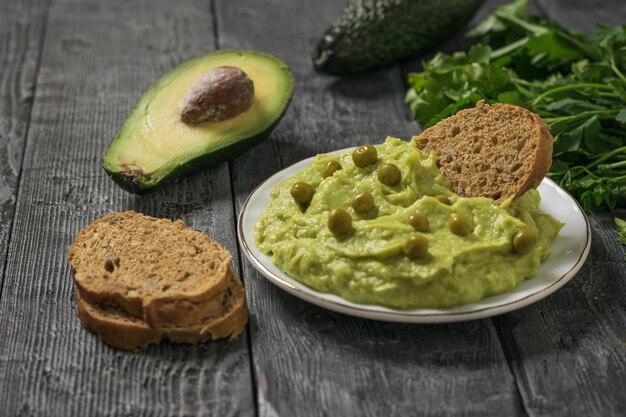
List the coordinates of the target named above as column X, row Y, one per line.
column 370, row 34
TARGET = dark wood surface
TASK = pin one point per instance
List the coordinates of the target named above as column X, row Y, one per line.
column 70, row 71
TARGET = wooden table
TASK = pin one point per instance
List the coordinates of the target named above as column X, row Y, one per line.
column 71, row 70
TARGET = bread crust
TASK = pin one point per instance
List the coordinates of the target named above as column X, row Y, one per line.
column 456, row 139
column 543, row 156
column 157, row 309
column 169, row 311
column 128, row 336
column 121, row 330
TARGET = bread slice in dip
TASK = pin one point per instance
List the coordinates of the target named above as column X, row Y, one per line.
column 416, row 244
column 497, row 151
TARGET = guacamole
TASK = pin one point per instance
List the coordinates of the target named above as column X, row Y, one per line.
column 368, row 261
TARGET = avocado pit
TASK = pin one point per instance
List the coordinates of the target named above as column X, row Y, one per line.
column 219, row 94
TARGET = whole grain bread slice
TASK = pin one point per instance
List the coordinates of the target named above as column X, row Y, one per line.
column 496, row 151
column 121, row 330
column 155, row 269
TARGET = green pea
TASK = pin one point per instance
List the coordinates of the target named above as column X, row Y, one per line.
column 416, row 247
column 459, row 225
column 330, row 168
column 365, row 155
column 419, row 222
column 302, row 192
column 339, row 221
column 389, row 174
column 362, row 202
column 524, row 240
column 443, row 199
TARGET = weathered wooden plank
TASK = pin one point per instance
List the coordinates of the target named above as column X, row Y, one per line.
column 312, row 362
column 583, row 15
column 97, row 59
column 21, row 29
column 568, row 352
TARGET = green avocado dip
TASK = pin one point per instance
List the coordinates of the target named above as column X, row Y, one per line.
column 389, row 255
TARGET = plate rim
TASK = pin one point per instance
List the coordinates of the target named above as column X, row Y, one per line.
column 406, row 316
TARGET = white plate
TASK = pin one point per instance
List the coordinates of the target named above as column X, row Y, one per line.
column 569, row 251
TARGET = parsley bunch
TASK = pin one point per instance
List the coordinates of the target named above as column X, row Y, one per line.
column 576, row 82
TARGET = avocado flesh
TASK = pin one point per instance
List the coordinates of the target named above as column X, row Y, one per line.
column 154, row 145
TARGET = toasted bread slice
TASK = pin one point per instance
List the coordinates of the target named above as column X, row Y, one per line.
column 155, row 269
column 496, row 151
column 121, row 330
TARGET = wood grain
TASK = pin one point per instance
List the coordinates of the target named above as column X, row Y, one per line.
column 568, row 352
column 97, row 59
column 21, row 35
column 583, row 15
column 312, row 362
column 563, row 356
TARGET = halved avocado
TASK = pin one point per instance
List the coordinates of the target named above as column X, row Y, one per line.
column 154, row 145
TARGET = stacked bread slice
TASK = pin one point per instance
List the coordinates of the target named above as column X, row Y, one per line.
column 141, row 279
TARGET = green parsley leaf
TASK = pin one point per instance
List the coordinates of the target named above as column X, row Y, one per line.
column 576, row 82
column 621, row 230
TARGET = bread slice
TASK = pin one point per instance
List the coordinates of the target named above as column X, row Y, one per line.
column 155, row 269
column 496, row 151
column 121, row 330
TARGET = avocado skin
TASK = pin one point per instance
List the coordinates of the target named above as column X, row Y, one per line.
column 136, row 186
column 371, row 34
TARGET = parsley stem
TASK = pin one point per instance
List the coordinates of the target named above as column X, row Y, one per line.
column 524, row 24
column 615, row 165
column 551, row 120
column 616, row 70
column 569, row 87
column 606, row 156
column 588, row 172
column 508, row 48
column 601, row 94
